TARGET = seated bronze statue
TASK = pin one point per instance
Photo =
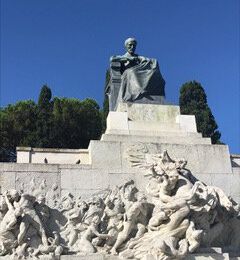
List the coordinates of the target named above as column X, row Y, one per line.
column 134, row 78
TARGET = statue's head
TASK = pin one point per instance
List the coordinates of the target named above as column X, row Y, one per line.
column 96, row 220
column 13, row 195
column 130, row 45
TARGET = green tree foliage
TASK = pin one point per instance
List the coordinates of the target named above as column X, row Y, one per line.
column 193, row 101
column 18, row 128
column 58, row 122
column 44, row 99
column 44, row 121
column 75, row 122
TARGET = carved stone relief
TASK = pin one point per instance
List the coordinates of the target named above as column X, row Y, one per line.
column 175, row 216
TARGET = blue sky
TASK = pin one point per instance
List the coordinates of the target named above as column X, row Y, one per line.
column 67, row 44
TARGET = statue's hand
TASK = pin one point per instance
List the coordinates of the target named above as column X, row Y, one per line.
column 124, row 59
column 132, row 58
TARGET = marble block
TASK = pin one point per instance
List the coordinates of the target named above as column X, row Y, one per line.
column 117, row 122
column 150, row 112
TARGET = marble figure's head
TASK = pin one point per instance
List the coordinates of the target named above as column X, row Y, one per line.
column 130, row 45
column 96, row 220
column 13, row 195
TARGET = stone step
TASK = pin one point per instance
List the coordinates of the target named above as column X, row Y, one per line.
column 169, row 138
column 199, row 256
column 163, row 132
column 209, row 250
column 208, row 256
column 98, row 256
column 154, row 133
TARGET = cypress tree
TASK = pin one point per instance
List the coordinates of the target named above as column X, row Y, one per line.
column 44, row 118
column 193, row 101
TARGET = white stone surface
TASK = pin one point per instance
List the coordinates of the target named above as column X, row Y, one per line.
column 89, row 257
column 235, row 158
column 154, row 123
column 94, row 179
column 7, row 181
column 52, row 156
column 23, row 181
column 200, row 257
column 224, row 256
column 10, row 177
column 117, row 122
column 211, row 159
column 166, row 217
column 150, row 129
column 133, row 121
column 24, row 155
column 153, row 127
column 187, row 123
column 39, row 257
column 166, row 137
column 106, row 257
column 150, row 112
column 105, row 155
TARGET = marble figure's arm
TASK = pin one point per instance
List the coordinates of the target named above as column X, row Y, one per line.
column 10, row 206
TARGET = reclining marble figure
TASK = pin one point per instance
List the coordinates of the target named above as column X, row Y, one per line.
column 134, row 78
column 174, row 216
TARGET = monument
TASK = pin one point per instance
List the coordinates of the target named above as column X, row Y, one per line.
column 134, row 78
column 147, row 190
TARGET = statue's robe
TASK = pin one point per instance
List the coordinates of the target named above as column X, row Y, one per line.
column 141, row 78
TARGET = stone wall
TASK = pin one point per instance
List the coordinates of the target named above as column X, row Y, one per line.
column 85, row 180
column 52, row 155
column 134, row 145
column 150, row 129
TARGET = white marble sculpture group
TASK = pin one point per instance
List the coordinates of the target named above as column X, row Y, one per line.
column 174, row 216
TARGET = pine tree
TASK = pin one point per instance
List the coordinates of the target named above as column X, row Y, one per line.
column 18, row 128
column 58, row 123
column 75, row 122
column 193, row 101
